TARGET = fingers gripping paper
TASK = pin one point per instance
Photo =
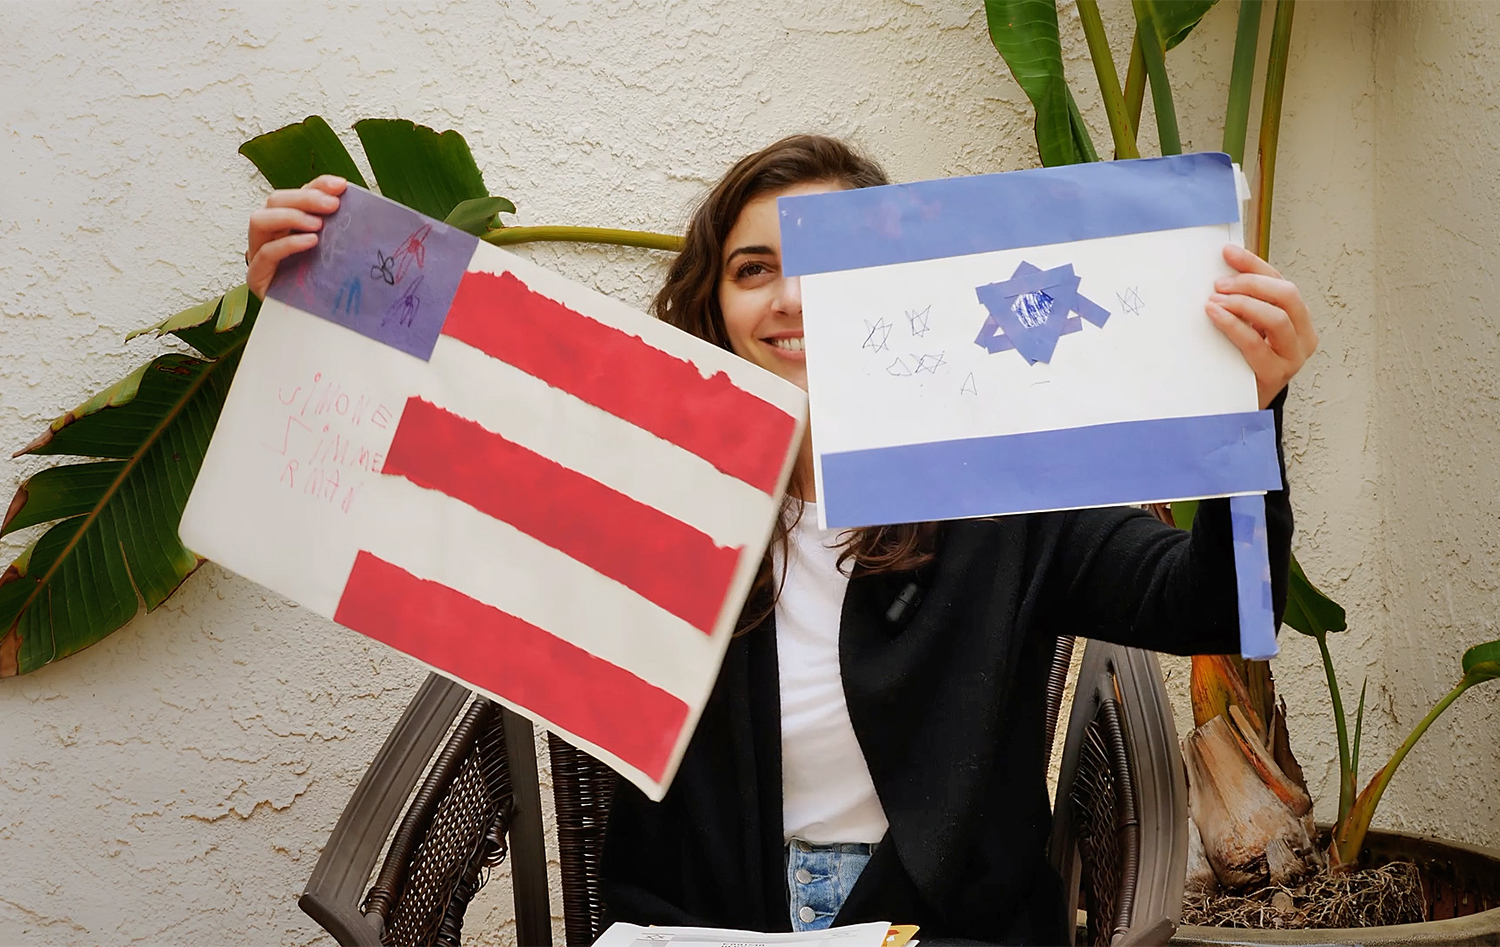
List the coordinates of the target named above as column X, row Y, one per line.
column 528, row 487
column 1032, row 341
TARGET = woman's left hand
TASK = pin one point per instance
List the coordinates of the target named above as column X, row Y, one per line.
column 1263, row 314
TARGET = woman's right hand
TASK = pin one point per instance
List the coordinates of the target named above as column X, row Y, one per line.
column 287, row 225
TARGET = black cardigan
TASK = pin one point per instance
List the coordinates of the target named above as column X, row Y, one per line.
column 948, row 707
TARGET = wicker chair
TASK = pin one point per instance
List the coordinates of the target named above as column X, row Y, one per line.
column 1119, row 838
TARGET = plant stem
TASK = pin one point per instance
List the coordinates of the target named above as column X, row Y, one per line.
column 1349, row 834
column 1109, row 80
column 506, row 236
column 1156, row 70
column 1135, row 85
column 1346, row 772
column 1270, row 122
column 1241, row 78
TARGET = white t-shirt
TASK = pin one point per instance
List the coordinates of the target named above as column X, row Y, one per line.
column 827, row 795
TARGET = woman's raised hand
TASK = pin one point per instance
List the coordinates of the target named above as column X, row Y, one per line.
column 287, row 225
column 1263, row 314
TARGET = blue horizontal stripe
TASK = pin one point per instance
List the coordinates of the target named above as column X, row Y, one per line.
column 1100, row 465
column 928, row 220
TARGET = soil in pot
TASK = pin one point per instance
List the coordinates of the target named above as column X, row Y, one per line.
column 1447, row 880
column 1369, row 897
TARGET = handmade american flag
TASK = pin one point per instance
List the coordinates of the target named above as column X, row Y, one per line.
column 530, row 487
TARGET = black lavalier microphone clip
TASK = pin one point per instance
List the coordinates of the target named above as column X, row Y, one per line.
column 905, row 603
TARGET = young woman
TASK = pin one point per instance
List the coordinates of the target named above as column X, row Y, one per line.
column 873, row 748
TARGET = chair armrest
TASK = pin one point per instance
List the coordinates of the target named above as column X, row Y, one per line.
column 1130, row 680
column 337, row 885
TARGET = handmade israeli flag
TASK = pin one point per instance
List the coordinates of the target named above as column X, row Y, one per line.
column 1031, row 341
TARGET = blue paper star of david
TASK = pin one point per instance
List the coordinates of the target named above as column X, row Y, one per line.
column 1033, row 309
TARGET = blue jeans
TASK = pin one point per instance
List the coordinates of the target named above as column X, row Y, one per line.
column 820, row 877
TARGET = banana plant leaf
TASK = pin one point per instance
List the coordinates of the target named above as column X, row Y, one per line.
column 116, row 545
column 1308, row 610
column 113, row 546
column 1175, row 19
column 1025, row 34
column 1482, row 662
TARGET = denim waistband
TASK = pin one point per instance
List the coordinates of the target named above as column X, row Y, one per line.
column 819, row 877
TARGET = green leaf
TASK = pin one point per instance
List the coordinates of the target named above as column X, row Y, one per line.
column 213, row 341
column 118, row 547
column 1359, row 728
column 1175, row 19
column 196, row 314
column 1183, row 513
column 59, row 492
column 1081, row 139
column 232, row 308
column 1025, row 34
column 478, row 215
column 1482, row 662
column 291, row 156
column 224, row 311
column 429, row 172
column 1309, row 610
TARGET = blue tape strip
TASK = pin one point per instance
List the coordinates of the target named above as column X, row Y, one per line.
column 927, row 220
column 1100, row 465
column 1252, row 570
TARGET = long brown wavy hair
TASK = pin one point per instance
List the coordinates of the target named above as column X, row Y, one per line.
column 689, row 300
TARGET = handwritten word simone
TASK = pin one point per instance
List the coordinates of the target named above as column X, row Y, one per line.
column 331, row 438
column 327, row 397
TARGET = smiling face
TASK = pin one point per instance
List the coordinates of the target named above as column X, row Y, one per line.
column 762, row 307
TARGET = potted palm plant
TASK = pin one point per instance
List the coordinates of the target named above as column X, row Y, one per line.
column 1253, row 832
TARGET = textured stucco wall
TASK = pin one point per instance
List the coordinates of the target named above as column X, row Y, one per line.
column 1437, row 398
column 174, row 783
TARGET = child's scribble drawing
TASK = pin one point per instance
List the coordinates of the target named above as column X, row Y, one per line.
column 898, row 368
column 412, row 250
column 1033, row 309
column 405, row 308
column 392, row 269
column 879, row 331
column 348, row 299
column 968, row 387
column 929, row 363
column 382, row 270
column 918, row 321
column 1130, row 301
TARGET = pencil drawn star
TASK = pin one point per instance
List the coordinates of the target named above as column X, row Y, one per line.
column 898, row 369
column 930, row 363
column 1130, row 301
column 918, row 321
column 879, row 331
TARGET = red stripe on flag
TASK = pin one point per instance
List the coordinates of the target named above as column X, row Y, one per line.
column 654, row 555
column 740, row 434
column 578, row 691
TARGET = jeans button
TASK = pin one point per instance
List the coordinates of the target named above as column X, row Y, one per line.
column 803, row 876
column 803, row 846
column 806, row 914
